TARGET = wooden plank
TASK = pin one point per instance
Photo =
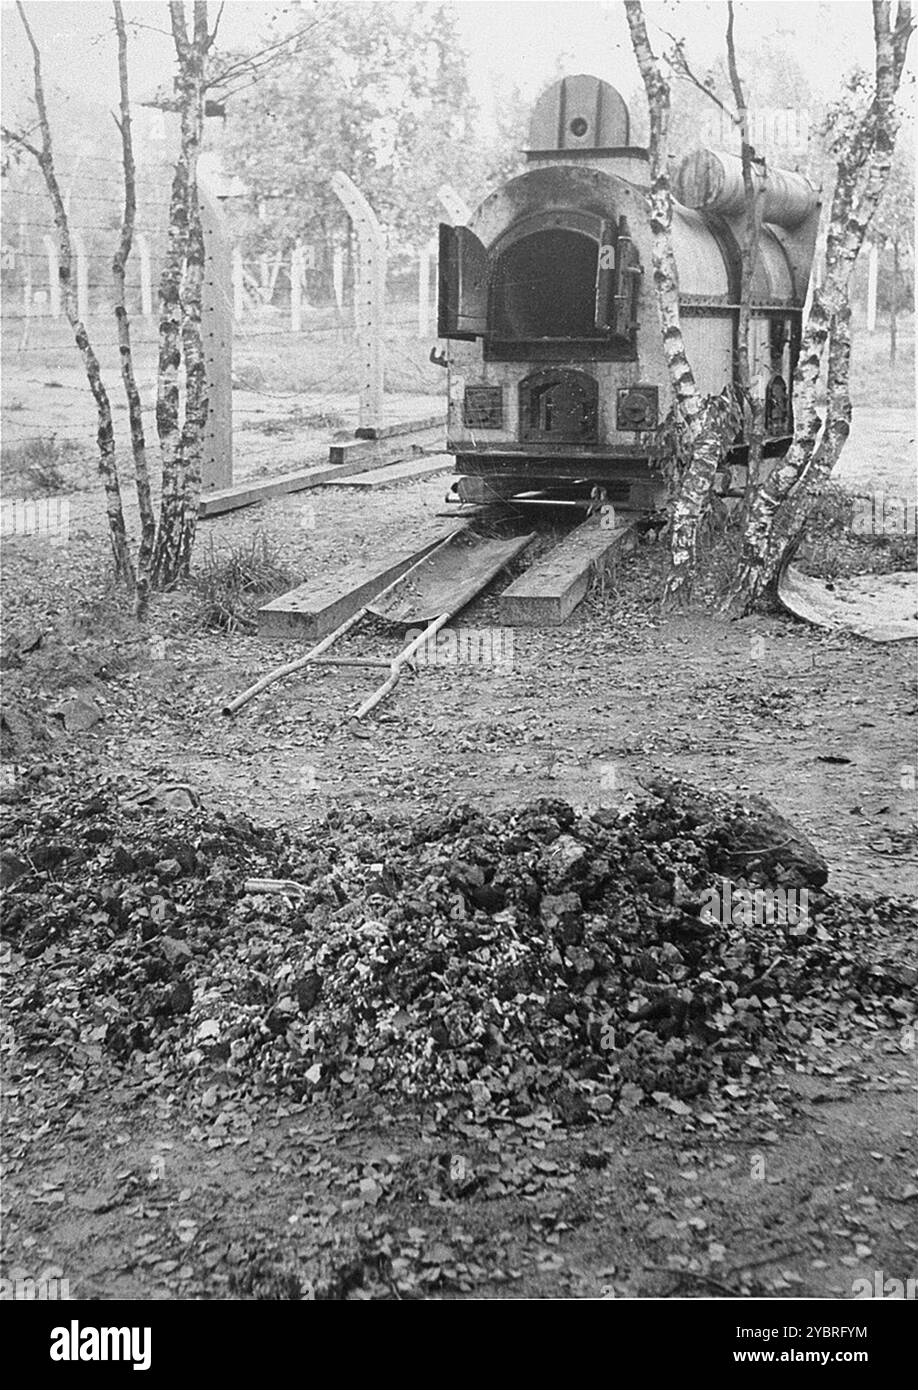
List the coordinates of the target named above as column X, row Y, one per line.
column 429, row 422
column 549, row 592
column 258, row 489
column 396, row 472
column 316, row 608
column 374, row 453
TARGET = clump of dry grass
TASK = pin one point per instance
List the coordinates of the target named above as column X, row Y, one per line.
column 228, row 587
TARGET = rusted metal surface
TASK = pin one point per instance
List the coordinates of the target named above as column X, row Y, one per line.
column 448, row 578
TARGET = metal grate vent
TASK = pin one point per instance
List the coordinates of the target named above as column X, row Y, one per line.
column 483, row 408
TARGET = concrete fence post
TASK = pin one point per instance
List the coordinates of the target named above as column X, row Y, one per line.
column 296, row 287
column 82, row 275
column 238, row 284
column 457, row 209
column 426, row 259
column 217, row 336
column 371, row 250
column 873, row 266
column 54, row 277
column 146, row 277
column 338, row 276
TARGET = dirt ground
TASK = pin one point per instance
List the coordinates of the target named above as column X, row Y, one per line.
column 131, row 1197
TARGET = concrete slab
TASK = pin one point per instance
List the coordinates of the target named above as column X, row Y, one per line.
column 316, row 608
column 549, row 592
column 396, row 473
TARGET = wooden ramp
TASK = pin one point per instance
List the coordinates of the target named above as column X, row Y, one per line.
column 549, row 592
column 320, row 606
column 449, row 579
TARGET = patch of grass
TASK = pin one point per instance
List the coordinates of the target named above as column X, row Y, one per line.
column 332, row 363
column 873, row 381
column 297, row 421
column 35, row 467
column 228, row 587
column 249, row 376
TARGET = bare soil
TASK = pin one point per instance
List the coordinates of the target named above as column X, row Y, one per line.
column 132, row 1199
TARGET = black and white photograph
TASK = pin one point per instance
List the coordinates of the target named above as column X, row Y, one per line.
column 458, row 817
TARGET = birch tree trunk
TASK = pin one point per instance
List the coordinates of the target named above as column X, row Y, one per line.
column 119, row 264
column 196, row 397
column 108, row 468
column 179, row 321
column 894, row 303
column 694, row 415
column 752, row 402
column 863, row 166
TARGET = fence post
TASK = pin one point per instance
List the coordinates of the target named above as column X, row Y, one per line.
column 873, row 265
column 54, row 278
column 217, row 334
column 146, row 277
column 428, row 253
column 238, row 284
column 457, row 209
column 338, row 276
column 371, row 247
column 82, row 276
column 296, row 287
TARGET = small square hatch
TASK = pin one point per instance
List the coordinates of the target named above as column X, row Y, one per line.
column 483, row 408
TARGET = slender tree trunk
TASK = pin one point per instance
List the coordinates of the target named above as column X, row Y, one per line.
column 171, row 551
column 693, row 412
column 753, row 401
column 119, row 264
column 715, row 428
column 862, row 172
column 894, row 303
column 196, row 397
column 108, row 468
column 790, row 522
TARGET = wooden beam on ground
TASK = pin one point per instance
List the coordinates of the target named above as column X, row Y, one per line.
column 373, row 453
column 318, row 607
column 396, row 472
column 260, row 489
column 549, row 592
column 429, row 422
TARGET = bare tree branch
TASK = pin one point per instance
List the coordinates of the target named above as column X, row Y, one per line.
column 682, row 68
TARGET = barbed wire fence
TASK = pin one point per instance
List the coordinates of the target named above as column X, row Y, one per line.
column 295, row 345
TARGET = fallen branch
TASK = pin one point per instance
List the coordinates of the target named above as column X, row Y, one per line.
column 272, row 885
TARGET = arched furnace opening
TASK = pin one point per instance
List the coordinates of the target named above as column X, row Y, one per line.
column 545, row 287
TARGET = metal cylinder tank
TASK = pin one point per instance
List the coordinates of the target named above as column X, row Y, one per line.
column 713, row 182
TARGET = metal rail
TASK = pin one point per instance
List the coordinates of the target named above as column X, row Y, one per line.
column 315, row 654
